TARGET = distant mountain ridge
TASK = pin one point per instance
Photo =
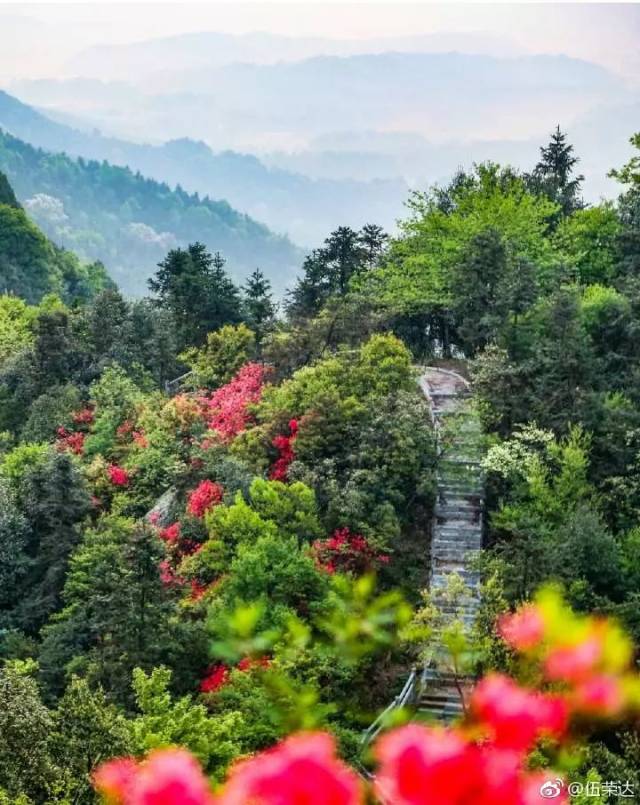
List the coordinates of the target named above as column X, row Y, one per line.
column 208, row 49
column 129, row 222
column 285, row 105
column 306, row 209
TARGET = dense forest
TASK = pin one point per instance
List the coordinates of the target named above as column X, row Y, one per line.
column 216, row 509
column 128, row 222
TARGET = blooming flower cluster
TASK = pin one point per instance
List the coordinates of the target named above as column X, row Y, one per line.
column 227, row 409
column 204, row 497
column 118, row 475
column 587, row 658
column 284, row 446
column 301, row 770
column 345, row 552
column 72, row 441
column 166, row 777
column 178, row 546
column 128, row 429
column 218, row 675
column 85, row 416
column 424, row 765
column 481, row 761
column 216, row 678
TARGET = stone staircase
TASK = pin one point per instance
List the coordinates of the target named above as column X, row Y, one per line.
column 434, row 691
column 456, row 534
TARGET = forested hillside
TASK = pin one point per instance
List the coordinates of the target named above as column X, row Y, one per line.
column 215, row 516
column 31, row 266
column 128, row 222
column 286, row 201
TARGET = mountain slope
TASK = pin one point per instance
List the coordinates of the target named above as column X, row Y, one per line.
column 307, row 209
column 129, row 222
column 32, row 266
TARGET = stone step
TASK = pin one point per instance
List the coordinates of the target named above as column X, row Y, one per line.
column 472, row 540
column 471, row 534
column 464, row 527
column 454, row 495
column 459, row 520
column 439, row 576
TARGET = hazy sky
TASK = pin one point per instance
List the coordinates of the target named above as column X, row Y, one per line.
column 35, row 39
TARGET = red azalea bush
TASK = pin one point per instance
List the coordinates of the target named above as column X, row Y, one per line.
column 84, row 416
column 171, row 534
column 345, row 552
column 139, row 439
column 226, row 410
column 481, row 761
column 204, row 497
column 218, row 675
column 72, row 441
column 125, row 429
column 118, row 475
column 284, row 446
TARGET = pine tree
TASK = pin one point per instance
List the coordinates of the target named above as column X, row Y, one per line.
column 7, row 196
column 54, row 501
column 13, row 559
column 629, row 208
column 328, row 272
column 26, row 765
column 554, row 175
column 193, row 285
column 117, row 610
column 374, row 240
column 258, row 305
column 478, row 308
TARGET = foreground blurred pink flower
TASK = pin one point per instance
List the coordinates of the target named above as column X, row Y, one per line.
column 516, row 718
column 524, row 629
column 302, row 770
column 166, row 777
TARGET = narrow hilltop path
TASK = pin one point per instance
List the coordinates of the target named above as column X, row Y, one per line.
column 456, row 538
column 456, row 534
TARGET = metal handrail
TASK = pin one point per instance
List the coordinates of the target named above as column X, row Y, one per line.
column 406, row 695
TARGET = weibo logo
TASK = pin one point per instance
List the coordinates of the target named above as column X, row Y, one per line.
column 551, row 789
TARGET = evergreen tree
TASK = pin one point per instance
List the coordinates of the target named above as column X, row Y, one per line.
column 54, row 501
column 328, row 271
column 117, row 610
column 7, row 196
column 629, row 206
column 13, row 559
column 26, row 765
column 57, row 353
column 86, row 731
column 105, row 319
column 554, row 175
column 374, row 240
column 312, row 289
column 258, row 306
column 193, row 285
column 478, row 305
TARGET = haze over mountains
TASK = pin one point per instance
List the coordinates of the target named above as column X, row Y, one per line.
column 305, row 133
column 305, row 208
